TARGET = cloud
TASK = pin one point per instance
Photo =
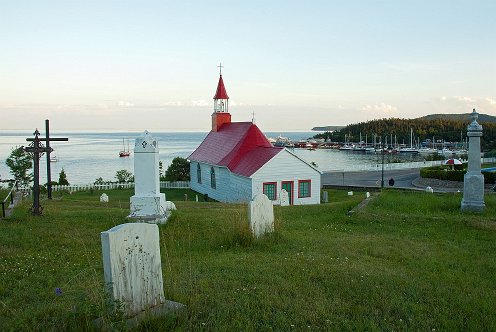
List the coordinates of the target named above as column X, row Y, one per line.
column 491, row 101
column 200, row 103
column 465, row 104
column 172, row 103
column 380, row 108
column 122, row 103
column 465, row 99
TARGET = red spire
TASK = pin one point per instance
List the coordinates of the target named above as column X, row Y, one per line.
column 221, row 90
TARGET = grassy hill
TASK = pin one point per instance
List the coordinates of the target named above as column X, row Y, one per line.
column 408, row 261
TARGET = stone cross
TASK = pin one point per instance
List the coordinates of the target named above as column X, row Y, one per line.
column 284, row 198
column 132, row 266
column 147, row 204
column 261, row 215
column 473, row 181
column 36, row 149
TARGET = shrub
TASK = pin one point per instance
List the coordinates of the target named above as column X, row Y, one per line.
column 446, row 173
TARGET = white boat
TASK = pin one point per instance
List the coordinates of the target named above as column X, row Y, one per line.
column 410, row 149
column 53, row 158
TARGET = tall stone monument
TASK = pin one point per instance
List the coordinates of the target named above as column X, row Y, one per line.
column 473, row 182
column 147, row 204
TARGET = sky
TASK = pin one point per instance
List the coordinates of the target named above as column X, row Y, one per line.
column 135, row 65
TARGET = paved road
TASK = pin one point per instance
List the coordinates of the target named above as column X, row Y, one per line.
column 402, row 178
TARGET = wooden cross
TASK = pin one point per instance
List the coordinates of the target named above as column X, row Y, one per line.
column 220, row 68
column 36, row 149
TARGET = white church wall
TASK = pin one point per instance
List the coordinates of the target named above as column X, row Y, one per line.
column 287, row 167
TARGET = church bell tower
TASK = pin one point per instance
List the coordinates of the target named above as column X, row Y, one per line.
column 221, row 105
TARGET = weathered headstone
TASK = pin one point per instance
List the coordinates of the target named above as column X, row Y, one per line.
column 133, row 270
column 261, row 215
column 473, row 181
column 325, row 197
column 148, row 204
column 350, row 193
column 284, row 198
column 104, row 198
column 367, row 194
column 429, row 189
column 132, row 267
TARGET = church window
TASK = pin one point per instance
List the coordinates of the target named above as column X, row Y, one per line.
column 198, row 173
column 213, row 183
column 269, row 189
column 304, row 188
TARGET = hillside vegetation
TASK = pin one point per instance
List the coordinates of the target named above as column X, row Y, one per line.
column 409, row 261
column 439, row 128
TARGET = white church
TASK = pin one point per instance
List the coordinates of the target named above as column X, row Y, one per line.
column 236, row 162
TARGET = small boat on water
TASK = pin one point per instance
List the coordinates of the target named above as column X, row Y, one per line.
column 124, row 152
column 53, row 158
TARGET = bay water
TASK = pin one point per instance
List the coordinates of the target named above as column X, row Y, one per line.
column 90, row 155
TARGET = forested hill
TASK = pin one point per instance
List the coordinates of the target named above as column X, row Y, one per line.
column 440, row 128
column 459, row 117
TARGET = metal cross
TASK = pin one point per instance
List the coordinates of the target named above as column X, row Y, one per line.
column 36, row 149
column 220, row 68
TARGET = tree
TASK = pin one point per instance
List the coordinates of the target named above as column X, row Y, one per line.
column 178, row 170
column 19, row 162
column 124, row 176
column 63, row 178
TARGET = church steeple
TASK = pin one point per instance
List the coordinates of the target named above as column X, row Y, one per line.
column 221, row 99
column 221, row 105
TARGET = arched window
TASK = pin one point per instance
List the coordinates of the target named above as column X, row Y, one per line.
column 212, row 178
column 198, row 172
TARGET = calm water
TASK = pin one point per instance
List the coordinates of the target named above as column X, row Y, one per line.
column 87, row 156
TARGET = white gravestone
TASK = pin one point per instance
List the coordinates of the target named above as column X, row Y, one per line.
column 284, row 198
column 261, row 215
column 473, row 181
column 147, row 204
column 132, row 267
column 367, row 194
column 325, row 197
column 104, row 198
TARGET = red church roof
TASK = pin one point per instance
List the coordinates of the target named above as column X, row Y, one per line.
column 221, row 90
column 239, row 146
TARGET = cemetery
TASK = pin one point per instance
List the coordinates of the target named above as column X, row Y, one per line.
column 408, row 260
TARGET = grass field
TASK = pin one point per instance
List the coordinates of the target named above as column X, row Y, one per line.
column 408, row 261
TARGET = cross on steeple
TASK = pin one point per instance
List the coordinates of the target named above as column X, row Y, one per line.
column 220, row 68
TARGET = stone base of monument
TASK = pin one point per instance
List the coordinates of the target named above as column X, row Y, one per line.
column 473, row 193
column 164, row 309
column 150, row 209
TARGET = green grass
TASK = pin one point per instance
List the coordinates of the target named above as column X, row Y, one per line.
column 408, row 261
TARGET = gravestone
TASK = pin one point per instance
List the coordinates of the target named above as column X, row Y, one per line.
column 367, row 194
column 284, row 198
column 104, row 198
column 133, row 270
column 429, row 189
column 350, row 193
column 148, row 204
column 261, row 215
column 473, row 181
column 325, row 197
column 132, row 267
